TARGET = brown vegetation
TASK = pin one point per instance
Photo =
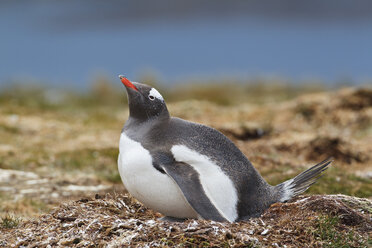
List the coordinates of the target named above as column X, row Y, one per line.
column 54, row 150
column 120, row 221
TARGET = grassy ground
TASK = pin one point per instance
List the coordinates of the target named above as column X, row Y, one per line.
column 58, row 146
column 120, row 221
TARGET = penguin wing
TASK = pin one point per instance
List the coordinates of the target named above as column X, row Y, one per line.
column 188, row 181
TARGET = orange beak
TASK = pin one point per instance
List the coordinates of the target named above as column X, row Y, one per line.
column 127, row 83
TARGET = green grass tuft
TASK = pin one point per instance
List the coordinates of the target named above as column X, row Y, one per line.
column 9, row 221
column 327, row 231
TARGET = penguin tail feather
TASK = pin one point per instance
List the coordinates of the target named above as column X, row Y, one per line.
column 299, row 184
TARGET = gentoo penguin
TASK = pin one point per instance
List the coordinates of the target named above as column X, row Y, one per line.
column 187, row 170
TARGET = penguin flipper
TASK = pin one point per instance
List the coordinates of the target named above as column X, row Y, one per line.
column 188, row 181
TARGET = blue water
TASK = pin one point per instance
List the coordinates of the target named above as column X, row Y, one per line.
column 39, row 43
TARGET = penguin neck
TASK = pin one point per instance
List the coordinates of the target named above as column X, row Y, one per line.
column 142, row 120
column 143, row 116
column 138, row 129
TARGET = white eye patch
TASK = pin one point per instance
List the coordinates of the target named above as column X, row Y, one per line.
column 153, row 92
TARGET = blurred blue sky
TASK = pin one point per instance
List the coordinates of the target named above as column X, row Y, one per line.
column 70, row 42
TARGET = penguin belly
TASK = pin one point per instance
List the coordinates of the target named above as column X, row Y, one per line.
column 148, row 185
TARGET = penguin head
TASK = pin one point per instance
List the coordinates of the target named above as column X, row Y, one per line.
column 144, row 101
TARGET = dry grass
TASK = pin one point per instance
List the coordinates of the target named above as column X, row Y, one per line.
column 117, row 221
column 57, row 147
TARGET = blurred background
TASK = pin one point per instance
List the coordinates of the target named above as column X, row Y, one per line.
column 288, row 81
column 69, row 43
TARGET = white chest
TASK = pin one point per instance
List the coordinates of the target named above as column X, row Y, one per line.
column 154, row 189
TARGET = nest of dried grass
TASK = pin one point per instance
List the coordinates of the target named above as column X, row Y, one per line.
column 120, row 221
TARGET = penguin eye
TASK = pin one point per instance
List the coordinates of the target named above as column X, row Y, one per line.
column 151, row 97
